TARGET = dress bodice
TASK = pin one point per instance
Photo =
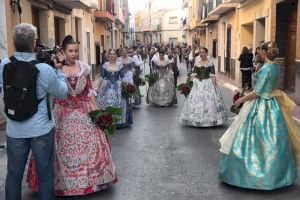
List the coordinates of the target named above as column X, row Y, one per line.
column 161, row 65
column 79, row 87
column 127, row 63
column 110, row 75
column 203, row 71
column 266, row 81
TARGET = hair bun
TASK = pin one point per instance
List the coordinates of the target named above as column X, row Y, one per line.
column 271, row 50
column 68, row 40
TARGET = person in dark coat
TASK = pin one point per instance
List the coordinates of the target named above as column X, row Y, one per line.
column 246, row 67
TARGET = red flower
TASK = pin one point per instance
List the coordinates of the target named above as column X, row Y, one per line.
column 130, row 88
column 186, row 90
column 236, row 97
column 100, row 121
column 108, row 119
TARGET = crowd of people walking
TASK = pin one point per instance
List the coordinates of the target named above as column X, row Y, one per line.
column 73, row 156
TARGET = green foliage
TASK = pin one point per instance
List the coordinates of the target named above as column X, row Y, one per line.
column 116, row 114
column 152, row 78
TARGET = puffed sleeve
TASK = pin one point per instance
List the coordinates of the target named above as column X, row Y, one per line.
column 263, row 76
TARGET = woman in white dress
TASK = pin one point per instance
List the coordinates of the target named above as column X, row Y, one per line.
column 204, row 106
column 162, row 92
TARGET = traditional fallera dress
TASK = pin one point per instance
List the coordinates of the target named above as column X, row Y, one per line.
column 137, row 71
column 261, row 146
column 83, row 157
column 128, row 78
column 110, row 92
column 204, row 106
column 162, row 93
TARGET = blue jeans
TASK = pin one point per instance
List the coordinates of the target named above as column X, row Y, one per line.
column 18, row 149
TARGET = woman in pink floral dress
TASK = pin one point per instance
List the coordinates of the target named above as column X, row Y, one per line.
column 83, row 158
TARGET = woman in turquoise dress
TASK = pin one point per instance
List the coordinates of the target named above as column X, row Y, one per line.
column 261, row 155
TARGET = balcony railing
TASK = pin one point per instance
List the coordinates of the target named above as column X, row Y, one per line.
column 212, row 4
column 108, row 6
column 219, row 7
column 106, row 12
column 80, row 4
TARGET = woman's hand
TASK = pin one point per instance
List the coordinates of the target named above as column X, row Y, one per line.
column 238, row 102
column 193, row 76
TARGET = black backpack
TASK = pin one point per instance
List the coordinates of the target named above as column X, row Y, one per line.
column 19, row 84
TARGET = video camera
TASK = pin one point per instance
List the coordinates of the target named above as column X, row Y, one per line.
column 45, row 54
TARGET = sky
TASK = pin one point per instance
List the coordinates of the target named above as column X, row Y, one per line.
column 136, row 5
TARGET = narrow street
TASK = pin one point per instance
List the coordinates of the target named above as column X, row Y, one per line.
column 159, row 159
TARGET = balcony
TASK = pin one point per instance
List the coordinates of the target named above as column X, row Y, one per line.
column 210, row 19
column 104, row 15
column 235, row 1
column 72, row 4
column 120, row 20
column 196, row 24
column 186, row 28
column 219, row 7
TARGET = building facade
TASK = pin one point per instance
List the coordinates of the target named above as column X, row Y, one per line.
column 54, row 20
column 155, row 24
column 226, row 26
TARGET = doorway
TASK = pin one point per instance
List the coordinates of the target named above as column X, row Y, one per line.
column 286, row 32
column 228, row 52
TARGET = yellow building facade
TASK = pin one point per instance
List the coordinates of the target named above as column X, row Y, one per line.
column 54, row 20
column 226, row 26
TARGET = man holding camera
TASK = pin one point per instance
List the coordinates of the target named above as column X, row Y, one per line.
column 26, row 86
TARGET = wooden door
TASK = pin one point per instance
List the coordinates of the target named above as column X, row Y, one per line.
column 291, row 48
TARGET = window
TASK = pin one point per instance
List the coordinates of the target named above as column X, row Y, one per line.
column 173, row 20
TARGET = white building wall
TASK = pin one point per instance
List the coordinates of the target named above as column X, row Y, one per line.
column 170, row 30
column 3, row 31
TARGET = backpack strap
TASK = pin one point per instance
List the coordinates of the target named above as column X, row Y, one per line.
column 48, row 107
column 34, row 62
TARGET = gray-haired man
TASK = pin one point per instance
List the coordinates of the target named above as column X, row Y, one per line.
column 36, row 132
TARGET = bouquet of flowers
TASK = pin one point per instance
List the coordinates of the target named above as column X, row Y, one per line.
column 138, row 81
column 106, row 119
column 127, row 90
column 152, row 78
column 185, row 88
column 236, row 97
